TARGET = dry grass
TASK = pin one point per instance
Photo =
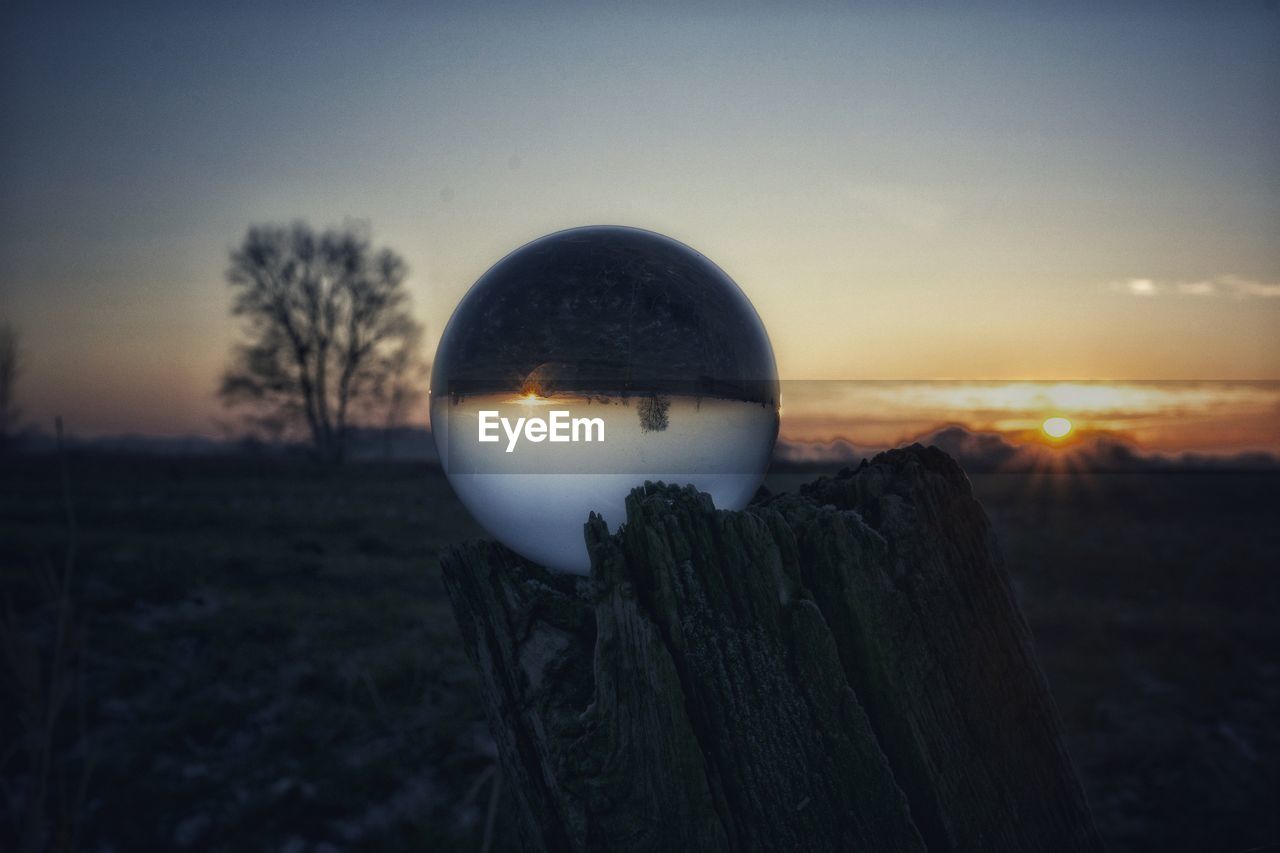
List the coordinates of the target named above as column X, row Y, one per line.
column 48, row 765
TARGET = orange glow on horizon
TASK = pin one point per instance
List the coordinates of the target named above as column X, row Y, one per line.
column 1212, row 417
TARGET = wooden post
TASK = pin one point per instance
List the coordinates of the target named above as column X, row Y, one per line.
column 843, row 669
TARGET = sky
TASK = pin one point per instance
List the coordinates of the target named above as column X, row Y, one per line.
column 919, row 192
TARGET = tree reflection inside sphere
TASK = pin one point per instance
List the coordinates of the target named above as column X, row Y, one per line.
column 608, row 327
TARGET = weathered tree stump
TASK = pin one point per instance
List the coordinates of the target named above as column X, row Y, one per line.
column 843, row 669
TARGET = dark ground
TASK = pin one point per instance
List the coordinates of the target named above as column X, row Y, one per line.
column 264, row 656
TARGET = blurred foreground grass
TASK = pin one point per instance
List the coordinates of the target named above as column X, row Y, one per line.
column 269, row 660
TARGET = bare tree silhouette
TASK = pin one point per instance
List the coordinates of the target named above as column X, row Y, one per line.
column 10, row 358
column 328, row 332
column 653, row 411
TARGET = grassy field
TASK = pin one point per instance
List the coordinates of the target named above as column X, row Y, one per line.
column 261, row 654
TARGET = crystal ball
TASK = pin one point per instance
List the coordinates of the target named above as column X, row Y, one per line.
column 587, row 362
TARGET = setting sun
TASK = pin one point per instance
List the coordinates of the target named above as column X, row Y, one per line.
column 531, row 398
column 1056, row 427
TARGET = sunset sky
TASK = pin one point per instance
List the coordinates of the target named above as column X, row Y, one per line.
column 1001, row 194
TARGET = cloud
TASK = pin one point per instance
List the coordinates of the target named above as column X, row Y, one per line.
column 1198, row 288
column 1226, row 286
column 1139, row 286
column 1246, row 288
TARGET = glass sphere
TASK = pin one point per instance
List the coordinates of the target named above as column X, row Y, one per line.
column 587, row 362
